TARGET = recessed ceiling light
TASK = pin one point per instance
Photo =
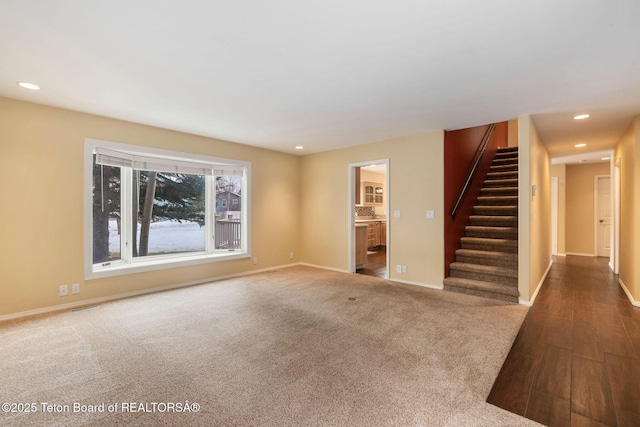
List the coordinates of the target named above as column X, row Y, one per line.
column 299, row 147
column 581, row 145
column 28, row 86
column 581, row 117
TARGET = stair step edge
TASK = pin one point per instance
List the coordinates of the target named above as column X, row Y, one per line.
column 485, row 269
column 482, row 286
column 475, row 253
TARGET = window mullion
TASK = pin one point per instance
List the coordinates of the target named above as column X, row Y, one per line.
column 126, row 212
column 209, row 220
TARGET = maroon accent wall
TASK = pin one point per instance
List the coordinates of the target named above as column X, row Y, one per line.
column 460, row 147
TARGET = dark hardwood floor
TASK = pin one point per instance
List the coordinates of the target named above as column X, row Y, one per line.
column 376, row 264
column 576, row 359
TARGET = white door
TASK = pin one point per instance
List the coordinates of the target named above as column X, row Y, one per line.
column 603, row 216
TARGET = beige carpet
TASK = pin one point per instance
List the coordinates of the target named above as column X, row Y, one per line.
column 295, row 347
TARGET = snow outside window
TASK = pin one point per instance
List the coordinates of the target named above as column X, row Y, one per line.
column 148, row 209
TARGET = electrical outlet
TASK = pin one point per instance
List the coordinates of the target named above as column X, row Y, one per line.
column 404, row 268
column 64, row 290
column 255, row 261
column 291, row 255
column 397, row 214
column 75, row 288
column 398, row 268
column 431, row 214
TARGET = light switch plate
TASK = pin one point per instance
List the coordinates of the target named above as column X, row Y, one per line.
column 431, row 214
column 397, row 214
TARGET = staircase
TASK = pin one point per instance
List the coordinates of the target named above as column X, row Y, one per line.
column 487, row 264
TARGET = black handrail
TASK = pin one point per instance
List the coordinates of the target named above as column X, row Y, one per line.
column 481, row 149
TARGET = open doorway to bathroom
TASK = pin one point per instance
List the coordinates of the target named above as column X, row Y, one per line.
column 368, row 210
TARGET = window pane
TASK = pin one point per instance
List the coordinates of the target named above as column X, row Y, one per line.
column 106, row 213
column 170, row 213
column 228, row 219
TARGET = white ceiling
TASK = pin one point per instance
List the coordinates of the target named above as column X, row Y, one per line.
column 329, row 74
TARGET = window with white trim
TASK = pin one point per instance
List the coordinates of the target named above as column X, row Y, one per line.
column 147, row 209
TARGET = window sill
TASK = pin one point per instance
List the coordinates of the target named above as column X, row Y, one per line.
column 161, row 263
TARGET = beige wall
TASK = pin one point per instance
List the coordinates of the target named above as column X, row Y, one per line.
column 416, row 173
column 534, row 219
column 627, row 155
column 41, row 219
column 580, row 213
column 560, row 172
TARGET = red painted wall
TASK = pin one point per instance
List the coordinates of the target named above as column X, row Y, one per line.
column 460, row 147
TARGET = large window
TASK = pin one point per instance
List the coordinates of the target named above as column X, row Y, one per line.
column 148, row 209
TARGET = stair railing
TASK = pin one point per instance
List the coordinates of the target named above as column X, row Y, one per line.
column 479, row 153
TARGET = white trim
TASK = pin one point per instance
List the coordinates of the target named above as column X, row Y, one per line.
column 579, row 254
column 626, row 291
column 616, row 215
column 94, row 301
column 164, row 262
column 351, row 221
column 322, row 267
column 554, row 214
column 405, row 282
column 535, row 294
column 560, row 255
column 424, row 285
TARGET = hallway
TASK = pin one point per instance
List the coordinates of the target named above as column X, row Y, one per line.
column 576, row 359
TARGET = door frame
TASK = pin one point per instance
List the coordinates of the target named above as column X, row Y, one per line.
column 615, row 264
column 596, row 197
column 554, row 215
column 351, row 233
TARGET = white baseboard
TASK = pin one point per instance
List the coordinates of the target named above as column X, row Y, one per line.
column 535, row 294
column 559, row 254
column 626, row 291
column 405, row 282
column 322, row 267
column 94, row 301
column 579, row 254
column 424, row 285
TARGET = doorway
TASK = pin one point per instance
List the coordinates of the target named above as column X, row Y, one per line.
column 368, row 220
column 602, row 210
column 554, row 215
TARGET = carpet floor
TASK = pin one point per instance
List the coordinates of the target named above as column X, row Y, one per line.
column 294, row 347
